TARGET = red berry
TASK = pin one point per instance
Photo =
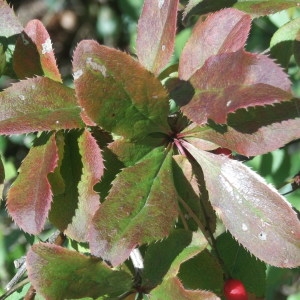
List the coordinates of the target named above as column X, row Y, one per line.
column 235, row 290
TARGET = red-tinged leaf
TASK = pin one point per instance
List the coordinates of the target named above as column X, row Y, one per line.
column 253, row 132
column 11, row 24
column 251, row 80
column 156, row 34
column 222, row 32
column 254, row 212
column 172, row 289
column 58, row 273
column 29, row 199
column 88, row 199
column 127, row 101
column 140, row 208
column 38, row 104
column 253, row 7
column 35, row 43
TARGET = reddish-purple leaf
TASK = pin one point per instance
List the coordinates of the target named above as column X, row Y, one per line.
column 58, row 273
column 10, row 23
column 34, row 54
column 246, row 80
column 253, row 211
column 28, row 200
column 140, row 208
column 88, row 199
column 38, row 104
column 128, row 101
column 253, row 132
column 156, row 34
column 222, row 32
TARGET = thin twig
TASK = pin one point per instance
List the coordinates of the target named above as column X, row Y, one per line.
column 14, row 288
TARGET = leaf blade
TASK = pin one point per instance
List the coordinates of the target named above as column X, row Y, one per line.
column 72, row 275
column 34, row 42
column 156, row 34
column 249, row 215
column 28, row 200
column 226, row 31
column 38, row 104
column 130, row 104
column 135, row 213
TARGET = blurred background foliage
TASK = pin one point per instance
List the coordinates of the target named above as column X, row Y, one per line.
column 114, row 23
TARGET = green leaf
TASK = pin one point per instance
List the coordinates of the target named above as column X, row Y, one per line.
column 129, row 101
column 251, row 80
column 72, row 275
column 283, row 41
column 38, row 104
column 88, row 199
column 202, row 272
column 34, row 43
column 65, row 198
column 29, row 199
column 172, row 289
column 160, row 256
column 242, row 265
column 254, row 212
column 140, row 208
column 222, row 32
column 156, row 34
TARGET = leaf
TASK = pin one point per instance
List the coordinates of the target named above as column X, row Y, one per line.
column 65, row 199
column 283, row 41
column 88, row 199
column 250, row 80
column 140, row 208
column 35, row 42
column 251, row 132
column 38, row 104
column 29, row 199
column 12, row 24
column 160, row 256
column 254, row 7
column 172, row 288
column 72, row 275
column 202, row 272
column 242, row 265
column 222, row 32
column 126, row 101
column 254, row 212
column 156, row 34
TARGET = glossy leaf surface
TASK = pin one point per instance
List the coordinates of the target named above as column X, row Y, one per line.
column 156, row 34
column 254, row 212
column 140, row 208
column 72, row 275
column 251, row 80
column 38, row 104
column 29, row 199
column 35, row 42
column 127, row 101
column 253, row 132
column 222, row 32
column 88, row 199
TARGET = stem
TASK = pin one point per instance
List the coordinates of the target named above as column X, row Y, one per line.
column 14, row 288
